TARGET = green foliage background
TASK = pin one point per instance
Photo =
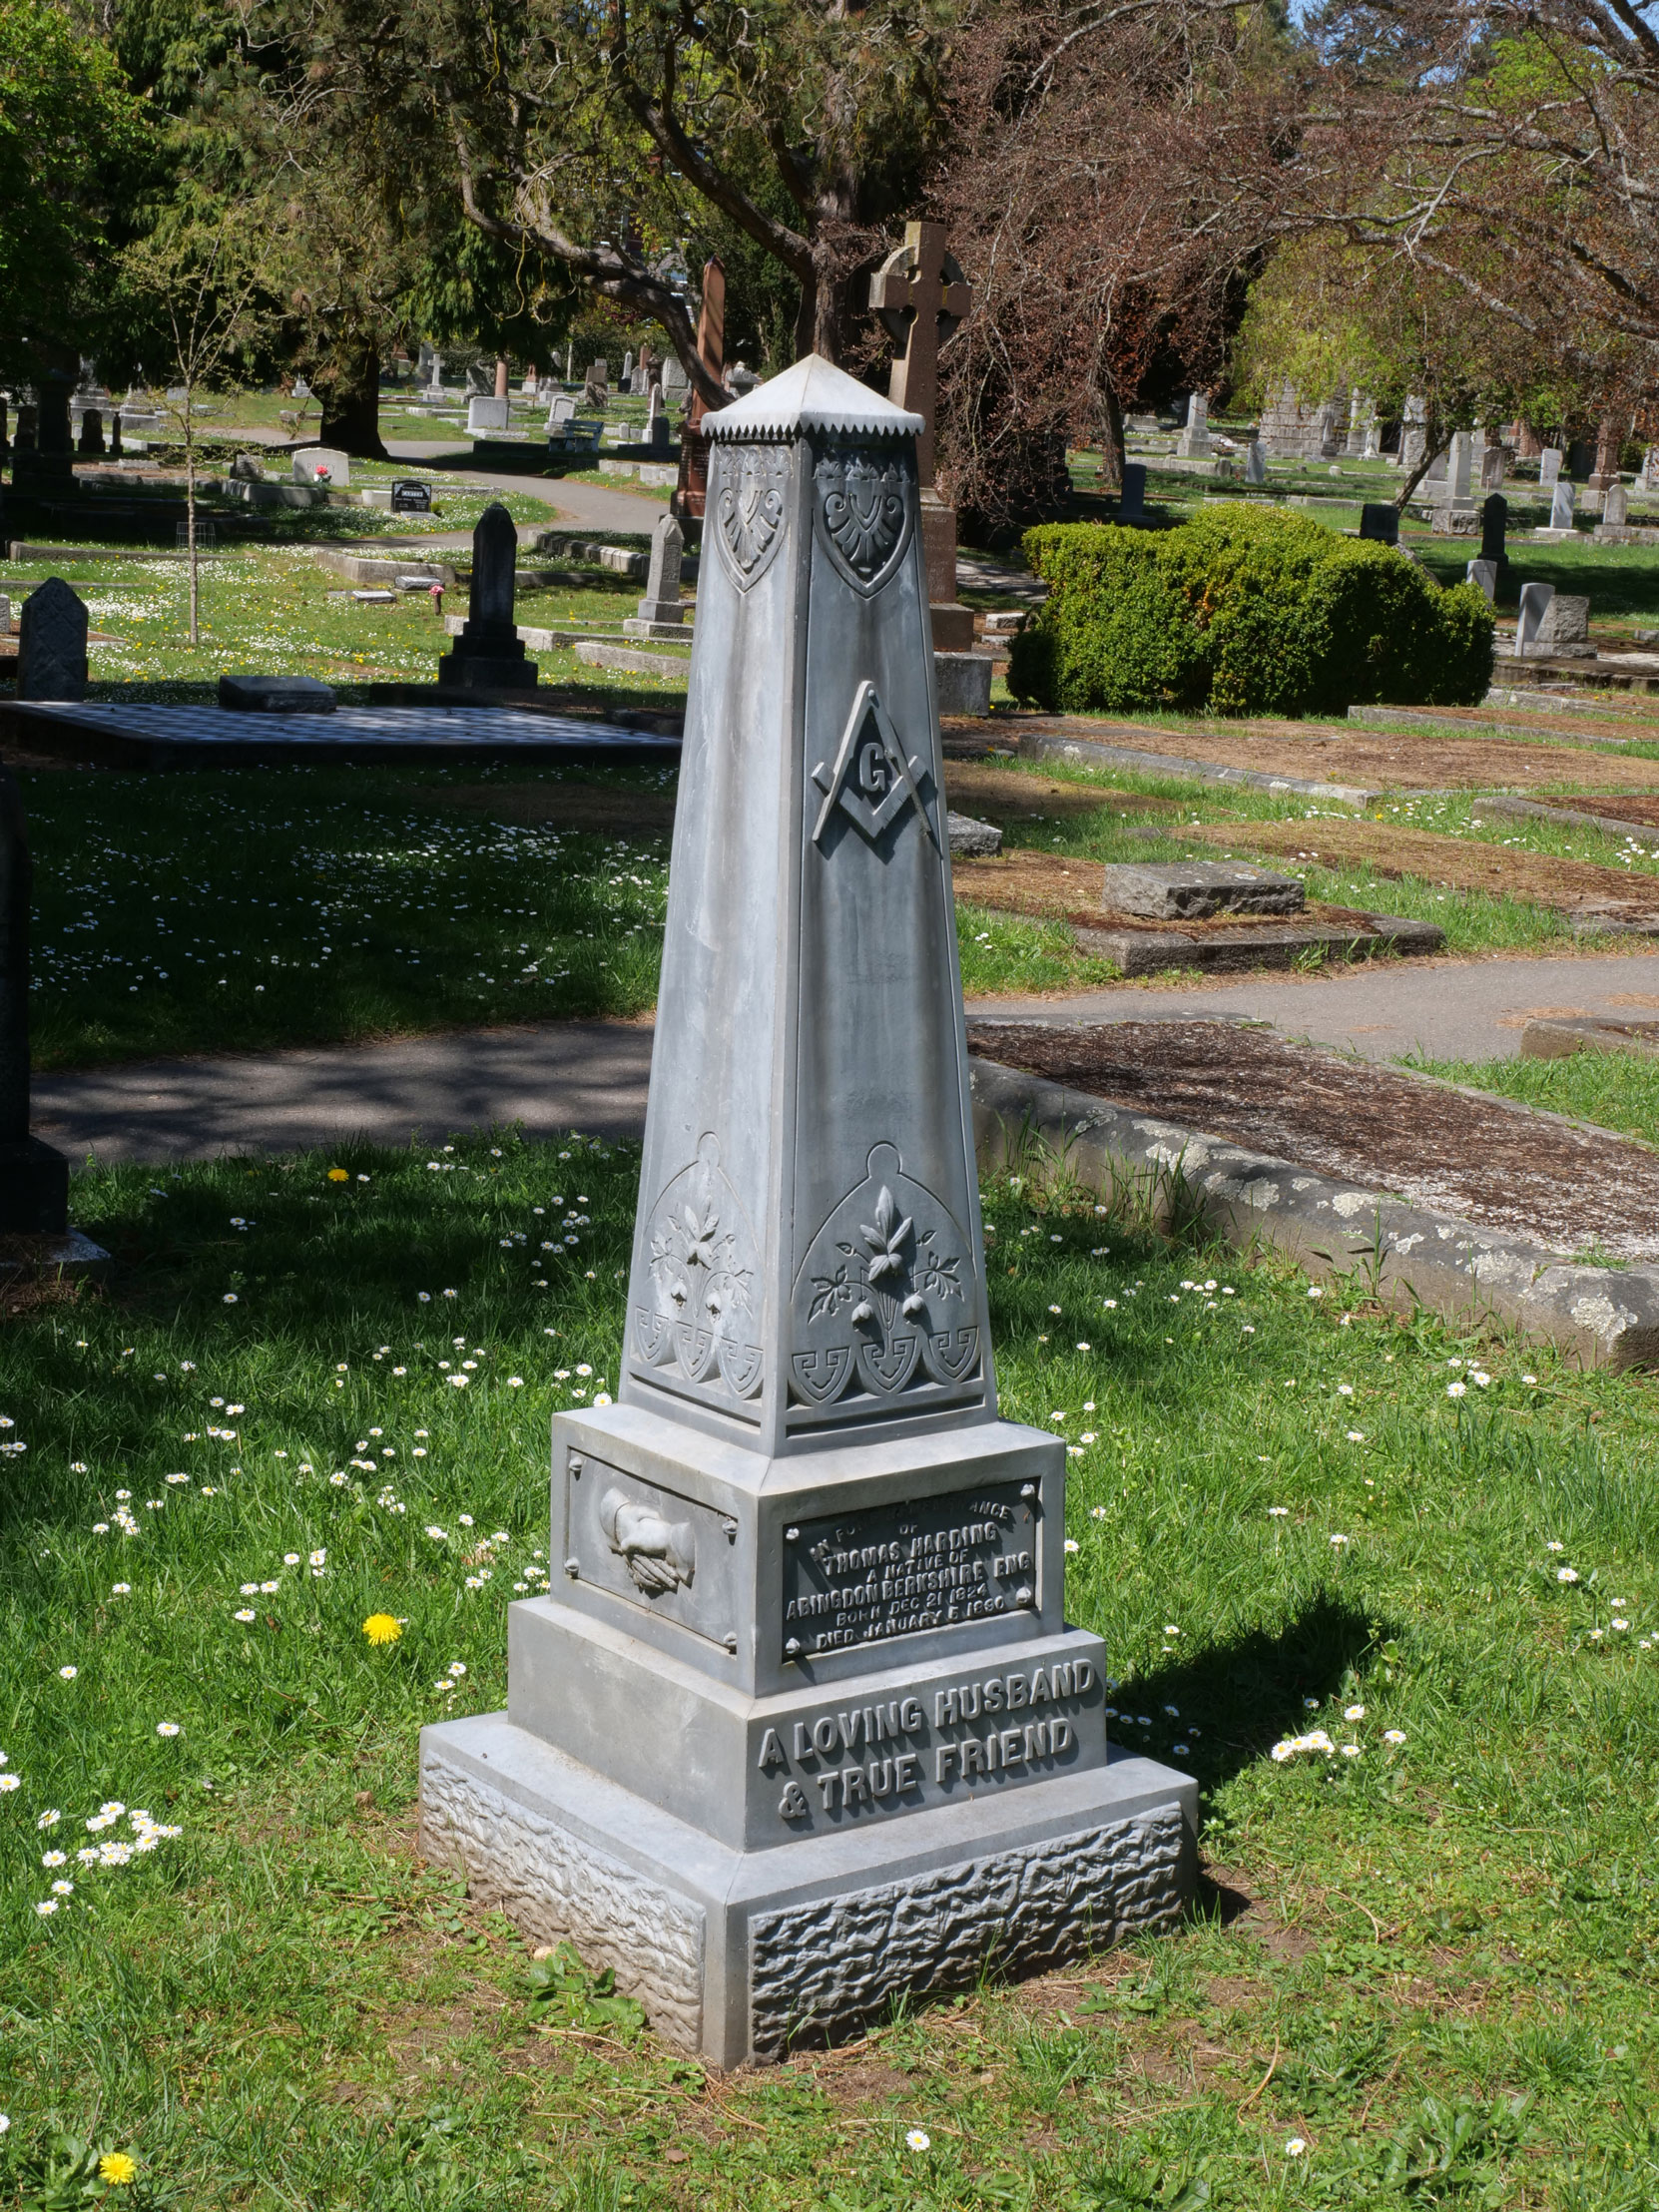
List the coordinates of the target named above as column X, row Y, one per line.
column 1242, row 611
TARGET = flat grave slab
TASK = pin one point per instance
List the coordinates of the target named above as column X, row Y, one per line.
column 1193, row 890
column 1484, row 1160
column 1594, row 897
column 1058, row 887
column 1557, row 1037
column 276, row 695
column 183, row 736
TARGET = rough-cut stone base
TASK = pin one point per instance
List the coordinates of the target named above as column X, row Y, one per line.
column 737, row 1953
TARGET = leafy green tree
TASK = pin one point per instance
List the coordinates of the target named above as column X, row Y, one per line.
column 71, row 134
column 613, row 139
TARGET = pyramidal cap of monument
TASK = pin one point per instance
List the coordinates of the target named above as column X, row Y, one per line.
column 801, row 1725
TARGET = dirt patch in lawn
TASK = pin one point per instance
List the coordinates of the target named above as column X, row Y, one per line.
column 1054, row 886
column 1481, row 1160
column 1461, row 864
column 1377, row 760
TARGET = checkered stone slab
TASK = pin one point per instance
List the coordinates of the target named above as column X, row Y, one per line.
column 161, row 737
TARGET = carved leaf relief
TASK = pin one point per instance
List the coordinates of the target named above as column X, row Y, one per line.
column 865, row 500
column 701, row 1268
column 884, row 1299
column 750, row 508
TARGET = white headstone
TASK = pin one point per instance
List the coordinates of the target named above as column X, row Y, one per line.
column 1413, row 433
column 675, row 378
column 1195, row 438
column 1457, row 464
column 661, row 606
column 322, row 464
column 1256, row 463
column 560, row 410
column 1560, row 506
column 627, row 377
column 1492, row 465
column 1484, row 574
column 1535, row 601
column 1550, row 465
column 485, row 412
column 1615, row 508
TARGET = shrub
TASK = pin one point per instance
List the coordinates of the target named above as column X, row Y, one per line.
column 1247, row 610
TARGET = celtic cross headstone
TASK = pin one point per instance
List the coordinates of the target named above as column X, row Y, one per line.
column 801, row 1725
column 922, row 296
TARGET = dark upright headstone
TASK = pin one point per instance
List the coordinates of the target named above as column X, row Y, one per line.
column 52, row 643
column 1494, row 518
column 115, row 436
column 1379, row 521
column 489, row 653
column 34, row 1179
column 91, row 434
column 51, row 461
column 1132, row 497
column 28, row 421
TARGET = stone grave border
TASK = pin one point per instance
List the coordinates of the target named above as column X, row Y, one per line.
column 1335, row 1231
column 1086, row 753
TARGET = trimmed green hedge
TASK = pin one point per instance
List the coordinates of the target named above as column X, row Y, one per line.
column 1246, row 611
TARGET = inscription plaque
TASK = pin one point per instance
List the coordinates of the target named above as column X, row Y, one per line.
column 891, row 1571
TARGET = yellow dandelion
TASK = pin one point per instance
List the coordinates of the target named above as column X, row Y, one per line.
column 381, row 1628
column 115, row 2166
column 338, row 1175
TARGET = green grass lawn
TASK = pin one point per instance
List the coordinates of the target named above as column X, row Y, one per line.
column 279, row 611
column 319, row 1390
column 241, row 909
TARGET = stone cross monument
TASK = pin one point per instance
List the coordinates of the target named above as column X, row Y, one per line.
column 801, row 1726
column 920, row 295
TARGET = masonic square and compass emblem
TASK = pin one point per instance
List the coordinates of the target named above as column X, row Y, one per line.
column 873, row 779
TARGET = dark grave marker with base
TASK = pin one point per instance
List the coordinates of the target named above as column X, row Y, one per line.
column 1495, row 522
column 410, row 496
column 1132, row 498
column 52, row 643
column 489, row 653
column 1379, row 522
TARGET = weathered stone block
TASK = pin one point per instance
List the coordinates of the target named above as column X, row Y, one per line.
column 1191, row 890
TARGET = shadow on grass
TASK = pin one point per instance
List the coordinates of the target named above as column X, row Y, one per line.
column 1244, row 1695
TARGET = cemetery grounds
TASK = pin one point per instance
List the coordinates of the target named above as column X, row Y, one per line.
column 1389, row 1592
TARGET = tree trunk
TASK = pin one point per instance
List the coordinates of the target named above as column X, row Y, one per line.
column 350, row 389
column 1112, row 452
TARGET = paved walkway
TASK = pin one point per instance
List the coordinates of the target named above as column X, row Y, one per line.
column 588, row 1075
column 592, row 1076
column 1448, row 1010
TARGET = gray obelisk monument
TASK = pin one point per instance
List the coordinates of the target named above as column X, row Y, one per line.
column 801, row 1725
